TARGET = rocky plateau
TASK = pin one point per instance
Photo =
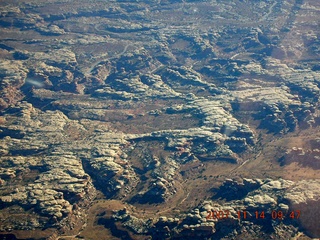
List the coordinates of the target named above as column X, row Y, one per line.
column 140, row 119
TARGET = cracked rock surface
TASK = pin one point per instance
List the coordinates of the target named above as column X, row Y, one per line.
column 135, row 120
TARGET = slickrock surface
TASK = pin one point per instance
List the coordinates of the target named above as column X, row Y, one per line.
column 276, row 196
column 135, row 120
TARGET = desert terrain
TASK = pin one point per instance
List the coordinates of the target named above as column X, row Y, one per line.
column 144, row 119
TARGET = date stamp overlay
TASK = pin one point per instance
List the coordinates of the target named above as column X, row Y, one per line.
column 304, row 216
column 259, row 214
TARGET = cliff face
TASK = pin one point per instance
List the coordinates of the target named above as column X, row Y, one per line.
column 169, row 109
